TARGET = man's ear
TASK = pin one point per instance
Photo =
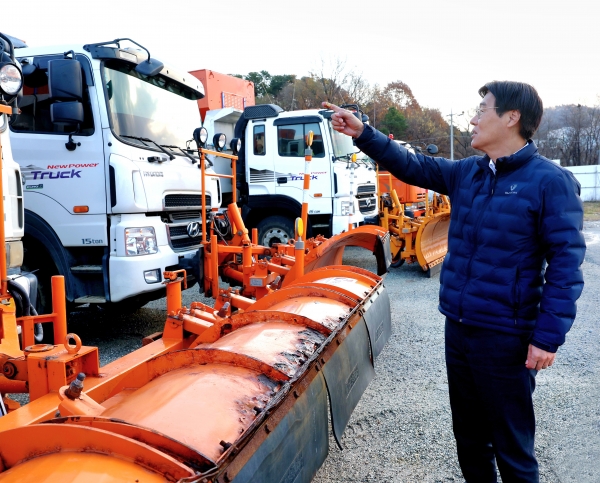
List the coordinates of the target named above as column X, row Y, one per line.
column 514, row 117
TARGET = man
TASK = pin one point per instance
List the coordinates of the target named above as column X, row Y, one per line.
column 511, row 277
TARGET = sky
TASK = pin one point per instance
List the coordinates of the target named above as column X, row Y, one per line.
column 443, row 49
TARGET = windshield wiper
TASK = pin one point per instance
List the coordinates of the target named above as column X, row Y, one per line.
column 194, row 160
column 146, row 140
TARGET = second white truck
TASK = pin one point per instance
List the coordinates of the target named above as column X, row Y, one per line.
column 271, row 171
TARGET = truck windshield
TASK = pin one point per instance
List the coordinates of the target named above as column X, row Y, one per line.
column 342, row 144
column 148, row 107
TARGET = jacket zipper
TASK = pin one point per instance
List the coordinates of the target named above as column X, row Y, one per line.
column 476, row 243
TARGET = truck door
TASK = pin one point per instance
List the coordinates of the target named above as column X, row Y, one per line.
column 292, row 133
column 58, row 178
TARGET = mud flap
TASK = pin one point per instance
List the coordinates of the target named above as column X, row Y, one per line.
column 383, row 254
column 378, row 317
column 347, row 374
column 298, row 445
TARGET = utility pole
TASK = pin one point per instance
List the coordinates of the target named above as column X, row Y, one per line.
column 452, row 133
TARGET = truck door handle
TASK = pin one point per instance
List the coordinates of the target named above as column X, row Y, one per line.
column 282, row 180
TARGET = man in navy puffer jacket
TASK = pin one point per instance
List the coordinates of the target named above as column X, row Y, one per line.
column 511, row 278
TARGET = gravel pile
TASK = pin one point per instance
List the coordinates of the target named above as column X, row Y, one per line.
column 400, row 431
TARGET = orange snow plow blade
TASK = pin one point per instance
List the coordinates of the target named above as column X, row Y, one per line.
column 241, row 399
column 431, row 243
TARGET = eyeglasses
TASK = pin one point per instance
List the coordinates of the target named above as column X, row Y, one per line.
column 479, row 110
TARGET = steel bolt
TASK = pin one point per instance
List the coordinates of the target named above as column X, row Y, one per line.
column 76, row 386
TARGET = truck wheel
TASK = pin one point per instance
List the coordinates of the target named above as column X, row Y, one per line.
column 275, row 229
column 397, row 262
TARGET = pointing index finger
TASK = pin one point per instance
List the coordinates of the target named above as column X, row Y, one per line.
column 333, row 107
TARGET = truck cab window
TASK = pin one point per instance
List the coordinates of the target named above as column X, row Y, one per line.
column 35, row 106
column 291, row 140
column 259, row 140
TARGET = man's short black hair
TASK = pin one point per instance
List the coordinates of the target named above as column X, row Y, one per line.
column 520, row 97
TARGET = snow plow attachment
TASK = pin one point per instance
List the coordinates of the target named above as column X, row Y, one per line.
column 431, row 243
column 419, row 234
column 243, row 398
column 240, row 392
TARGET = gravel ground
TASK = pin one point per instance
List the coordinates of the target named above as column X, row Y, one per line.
column 400, row 432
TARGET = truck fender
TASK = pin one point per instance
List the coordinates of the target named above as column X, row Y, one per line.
column 37, row 229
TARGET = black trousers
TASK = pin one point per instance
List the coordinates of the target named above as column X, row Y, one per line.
column 491, row 400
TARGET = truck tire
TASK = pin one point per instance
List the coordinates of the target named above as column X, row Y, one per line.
column 275, row 229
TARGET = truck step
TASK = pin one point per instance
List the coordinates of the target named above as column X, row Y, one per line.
column 87, row 269
column 90, row 299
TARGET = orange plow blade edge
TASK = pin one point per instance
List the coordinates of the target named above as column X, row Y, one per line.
column 431, row 244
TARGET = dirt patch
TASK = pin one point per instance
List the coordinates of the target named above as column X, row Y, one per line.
column 591, row 211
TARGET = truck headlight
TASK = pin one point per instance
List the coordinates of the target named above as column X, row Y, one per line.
column 200, row 136
column 219, row 141
column 140, row 241
column 346, row 208
column 11, row 79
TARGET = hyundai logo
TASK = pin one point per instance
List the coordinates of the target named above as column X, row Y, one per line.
column 194, row 230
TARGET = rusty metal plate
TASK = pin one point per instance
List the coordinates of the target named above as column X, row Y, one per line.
column 383, row 253
column 297, row 446
column 347, row 374
column 378, row 317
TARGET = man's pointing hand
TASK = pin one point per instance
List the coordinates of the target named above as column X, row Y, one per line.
column 344, row 121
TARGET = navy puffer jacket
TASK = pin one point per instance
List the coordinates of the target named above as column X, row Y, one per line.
column 504, row 228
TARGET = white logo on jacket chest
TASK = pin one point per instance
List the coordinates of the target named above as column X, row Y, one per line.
column 512, row 191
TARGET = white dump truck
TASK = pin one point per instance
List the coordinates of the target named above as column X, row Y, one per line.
column 112, row 188
column 271, row 165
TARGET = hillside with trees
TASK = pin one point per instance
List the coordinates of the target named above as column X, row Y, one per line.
column 569, row 133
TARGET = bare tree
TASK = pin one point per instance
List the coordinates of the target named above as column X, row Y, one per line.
column 570, row 133
column 462, row 136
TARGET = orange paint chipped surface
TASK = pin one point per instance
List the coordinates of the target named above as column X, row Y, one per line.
column 283, row 346
column 71, row 467
column 318, row 309
column 216, row 399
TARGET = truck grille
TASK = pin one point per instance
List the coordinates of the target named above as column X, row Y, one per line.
column 174, row 202
column 366, row 189
column 179, row 240
column 367, row 199
column 368, row 205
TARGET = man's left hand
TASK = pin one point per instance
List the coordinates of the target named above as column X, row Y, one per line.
column 539, row 359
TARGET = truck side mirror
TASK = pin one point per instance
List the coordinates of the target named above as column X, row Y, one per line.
column 66, row 112
column 150, row 67
column 65, row 81
column 432, row 149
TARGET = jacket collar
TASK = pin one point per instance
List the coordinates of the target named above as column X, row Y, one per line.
column 512, row 162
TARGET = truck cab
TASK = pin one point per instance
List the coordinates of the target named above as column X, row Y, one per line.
column 111, row 186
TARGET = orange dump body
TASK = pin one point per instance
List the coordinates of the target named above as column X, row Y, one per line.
column 406, row 193
column 223, row 90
